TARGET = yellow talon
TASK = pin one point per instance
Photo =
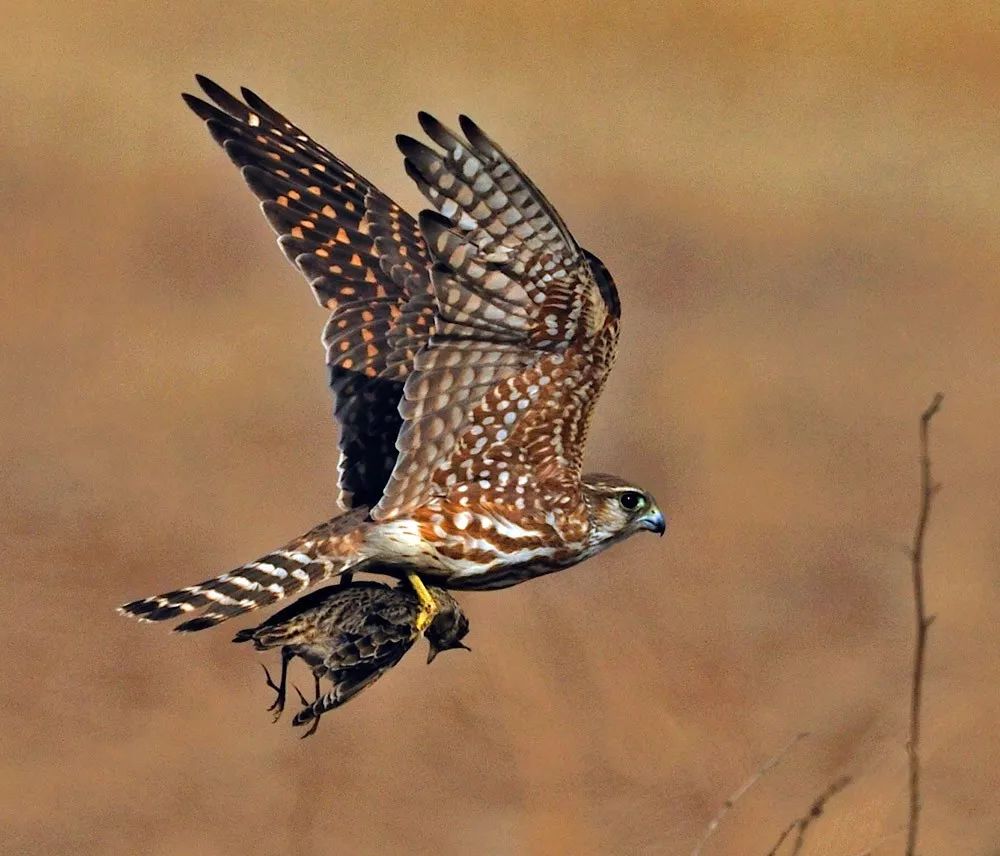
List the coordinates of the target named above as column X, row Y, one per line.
column 428, row 606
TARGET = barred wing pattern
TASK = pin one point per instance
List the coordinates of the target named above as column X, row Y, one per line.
column 364, row 258
column 525, row 332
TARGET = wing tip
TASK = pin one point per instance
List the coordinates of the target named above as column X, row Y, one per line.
column 253, row 99
column 212, row 89
column 434, row 128
column 476, row 135
column 201, row 108
column 407, row 144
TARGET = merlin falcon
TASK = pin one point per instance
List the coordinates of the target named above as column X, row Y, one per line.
column 466, row 350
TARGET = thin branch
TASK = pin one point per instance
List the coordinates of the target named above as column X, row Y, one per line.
column 800, row 825
column 816, row 810
column 762, row 771
column 923, row 621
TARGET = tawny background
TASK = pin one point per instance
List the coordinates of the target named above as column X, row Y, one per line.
column 800, row 208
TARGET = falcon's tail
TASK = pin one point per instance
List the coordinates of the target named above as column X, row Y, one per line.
column 278, row 575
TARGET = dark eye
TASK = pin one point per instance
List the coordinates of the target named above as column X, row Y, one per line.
column 631, row 500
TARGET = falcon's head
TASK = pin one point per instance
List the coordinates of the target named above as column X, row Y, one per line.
column 618, row 509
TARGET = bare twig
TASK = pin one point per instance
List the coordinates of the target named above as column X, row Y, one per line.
column 781, row 838
column 816, row 809
column 762, row 771
column 923, row 621
column 800, row 825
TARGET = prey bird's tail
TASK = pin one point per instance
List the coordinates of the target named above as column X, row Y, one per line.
column 345, row 687
column 280, row 574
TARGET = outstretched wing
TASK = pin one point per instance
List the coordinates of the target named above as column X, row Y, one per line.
column 364, row 258
column 525, row 332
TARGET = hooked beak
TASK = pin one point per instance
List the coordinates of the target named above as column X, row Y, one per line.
column 654, row 521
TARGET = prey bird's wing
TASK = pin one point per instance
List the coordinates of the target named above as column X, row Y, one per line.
column 525, row 331
column 364, row 258
column 369, row 639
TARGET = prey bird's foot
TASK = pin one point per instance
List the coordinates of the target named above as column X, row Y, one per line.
column 314, row 724
column 279, row 701
column 306, row 708
column 428, row 606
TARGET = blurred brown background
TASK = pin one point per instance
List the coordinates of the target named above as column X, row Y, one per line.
column 800, row 208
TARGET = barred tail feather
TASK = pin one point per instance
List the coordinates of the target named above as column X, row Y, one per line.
column 273, row 577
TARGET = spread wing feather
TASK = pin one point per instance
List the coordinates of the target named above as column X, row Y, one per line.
column 364, row 258
column 525, row 331
column 466, row 352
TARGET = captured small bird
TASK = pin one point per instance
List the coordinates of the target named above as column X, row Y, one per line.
column 466, row 351
column 352, row 634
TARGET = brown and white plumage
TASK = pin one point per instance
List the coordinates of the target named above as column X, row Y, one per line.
column 525, row 334
column 351, row 635
column 466, row 350
column 364, row 258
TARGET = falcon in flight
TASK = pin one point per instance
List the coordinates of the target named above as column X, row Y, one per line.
column 466, row 350
column 352, row 634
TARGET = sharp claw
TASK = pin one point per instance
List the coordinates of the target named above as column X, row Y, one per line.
column 299, row 722
column 279, row 702
column 312, row 729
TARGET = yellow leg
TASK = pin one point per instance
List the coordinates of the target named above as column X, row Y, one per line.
column 428, row 606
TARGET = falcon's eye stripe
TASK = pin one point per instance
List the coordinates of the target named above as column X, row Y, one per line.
column 630, row 500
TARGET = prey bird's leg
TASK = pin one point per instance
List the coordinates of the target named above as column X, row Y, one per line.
column 306, row 705
column 428, row 606
column 279, row 688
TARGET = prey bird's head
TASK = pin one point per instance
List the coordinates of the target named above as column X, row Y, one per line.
column 449, row 626
column 618, row 509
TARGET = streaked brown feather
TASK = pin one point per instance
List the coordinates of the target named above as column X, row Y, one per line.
column 497, row 408
column 364, row 258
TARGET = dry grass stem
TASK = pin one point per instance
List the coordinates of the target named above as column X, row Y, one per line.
column 801, row 824
column 762, row 771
